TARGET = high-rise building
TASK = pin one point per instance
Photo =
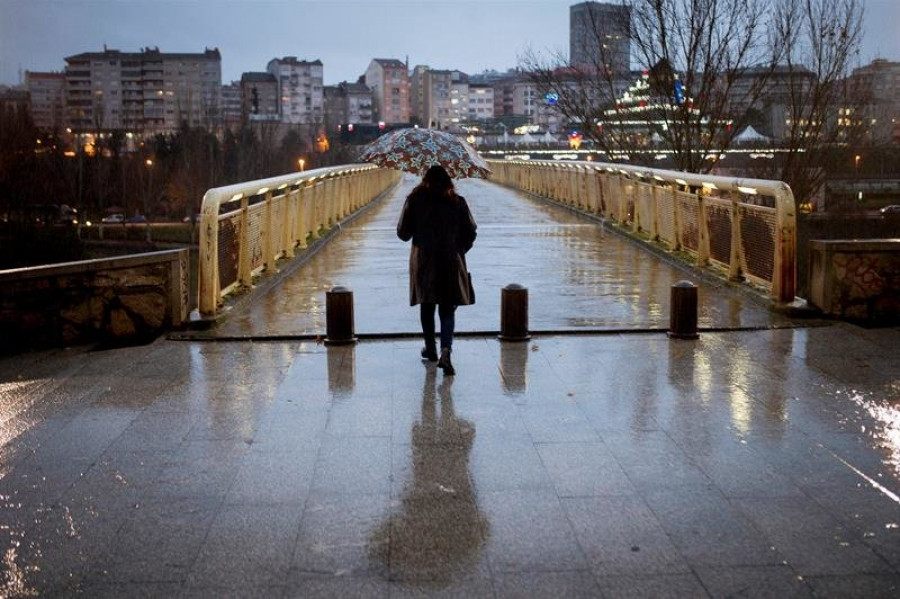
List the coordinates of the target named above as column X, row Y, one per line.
column 143, row 92
column 47, row 96
column 388, row 78
column 299, row 88
column 600, row 36
column 259, row 97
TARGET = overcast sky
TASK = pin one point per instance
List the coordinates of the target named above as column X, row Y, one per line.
column 470, row 35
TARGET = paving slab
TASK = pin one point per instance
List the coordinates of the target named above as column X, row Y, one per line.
column 605, row 465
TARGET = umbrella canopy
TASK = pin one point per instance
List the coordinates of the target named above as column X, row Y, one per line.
column 417, row 150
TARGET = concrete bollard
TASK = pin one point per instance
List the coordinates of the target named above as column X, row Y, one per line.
column 339, row 328
column 683, row 311
column 514, row 313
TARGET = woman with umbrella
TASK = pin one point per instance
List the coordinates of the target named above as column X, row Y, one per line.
column 442, row 230
column 439, row 223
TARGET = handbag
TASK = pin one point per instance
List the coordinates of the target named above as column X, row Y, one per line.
column 471, row 289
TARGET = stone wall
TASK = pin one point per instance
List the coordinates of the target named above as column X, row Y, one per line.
column 125, row 299
column 856, row 279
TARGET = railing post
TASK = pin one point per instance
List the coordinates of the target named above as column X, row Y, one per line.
column 268, row 230
column 245, row 276
column 289, row 213
column 654, row 212
column 702, row 232
column 784, row 275
column 677, row 218
column 734, row 258
column 208, row 264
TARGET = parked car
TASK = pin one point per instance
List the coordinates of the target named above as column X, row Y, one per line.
column 113, row 219
column 137, row 219
column 893, row 209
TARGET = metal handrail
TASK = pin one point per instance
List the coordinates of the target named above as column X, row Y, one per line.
column 267, row 219
column 685, row 211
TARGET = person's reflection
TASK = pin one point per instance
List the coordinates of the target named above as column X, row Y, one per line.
column 438, row 531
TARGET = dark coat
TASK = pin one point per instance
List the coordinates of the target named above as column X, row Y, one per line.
column 442, row 231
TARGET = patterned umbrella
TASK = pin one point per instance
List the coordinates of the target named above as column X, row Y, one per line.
column 416, row 150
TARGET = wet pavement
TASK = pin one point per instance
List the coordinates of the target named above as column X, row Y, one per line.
column 753, row 463
column 578, row 275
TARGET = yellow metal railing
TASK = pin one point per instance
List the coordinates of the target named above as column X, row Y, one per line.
column 744, row 227
column 245, row 228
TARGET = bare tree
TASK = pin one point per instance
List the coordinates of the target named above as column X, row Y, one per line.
column 694, row 94
column 822, row 106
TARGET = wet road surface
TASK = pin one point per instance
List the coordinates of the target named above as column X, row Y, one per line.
column 754, row 463
column 578, row 275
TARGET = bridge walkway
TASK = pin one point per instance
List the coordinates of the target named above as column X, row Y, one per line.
column 579, row 276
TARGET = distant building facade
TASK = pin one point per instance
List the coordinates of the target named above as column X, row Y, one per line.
column 260, row 100
column 47, row 97
column 347, row 103
column 144, row 92
column 879, row 84
column 481, row 102
column 388, row 78
column 600, row 36
column 300, row 83
column 231, row 108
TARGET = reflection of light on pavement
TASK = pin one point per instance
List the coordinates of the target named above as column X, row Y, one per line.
column 888, row 417
column 741, row 413
column 740, row 410
column 13, row 583
column 15, row 398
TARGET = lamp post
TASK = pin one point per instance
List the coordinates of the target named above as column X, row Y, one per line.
column 147, row 195
column 856, row 165
column 301, row 163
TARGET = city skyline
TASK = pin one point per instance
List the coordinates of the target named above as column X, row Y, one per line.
column 473, row 36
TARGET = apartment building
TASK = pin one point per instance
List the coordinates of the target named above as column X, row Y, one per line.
column 459, row 98
column 388, row 78
column 300, row 94
column 347, row 103
column 260, row 99
column 47, row 96
column 143, row 92
column 481, row 102
column 231, row 108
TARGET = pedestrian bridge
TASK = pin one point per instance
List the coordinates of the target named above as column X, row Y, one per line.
column 581, row 275
column 761, row 462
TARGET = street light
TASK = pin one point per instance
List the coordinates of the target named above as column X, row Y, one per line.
column 856, row 164
column 149, row 193
column 301, row 163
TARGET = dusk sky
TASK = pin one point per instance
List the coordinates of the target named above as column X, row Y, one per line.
column 470, row 35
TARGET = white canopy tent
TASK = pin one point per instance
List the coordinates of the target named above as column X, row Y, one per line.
column 750, row 135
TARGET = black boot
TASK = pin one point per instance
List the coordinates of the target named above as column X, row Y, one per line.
column 445, row 363
column 429, row 352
